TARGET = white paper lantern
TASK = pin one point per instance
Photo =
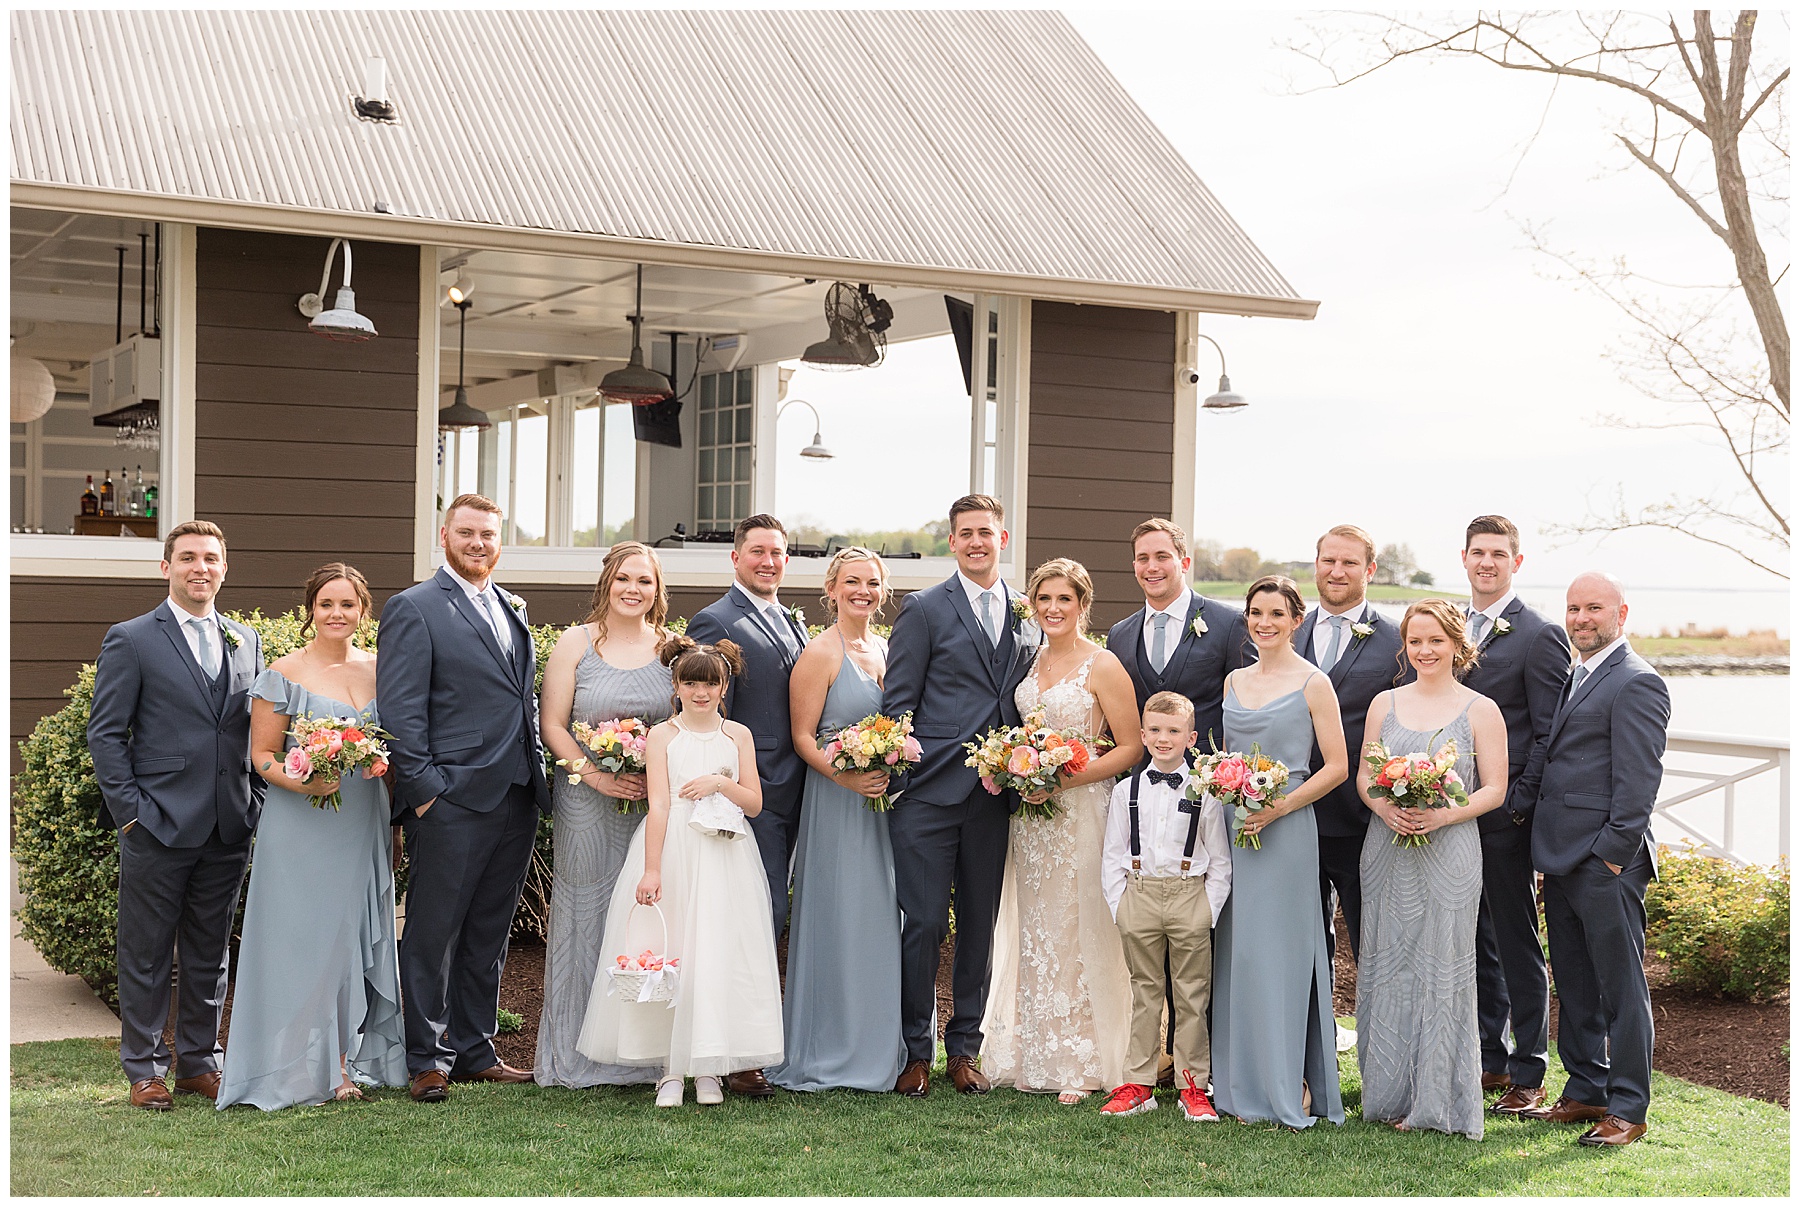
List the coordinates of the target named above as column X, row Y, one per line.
column 33, row 390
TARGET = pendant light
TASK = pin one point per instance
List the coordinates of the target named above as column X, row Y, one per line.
column 459, row 415
column 636, row 383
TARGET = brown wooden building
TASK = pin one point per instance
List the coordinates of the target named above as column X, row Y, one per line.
column 954, row 162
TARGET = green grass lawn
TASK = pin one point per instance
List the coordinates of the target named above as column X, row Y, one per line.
column 73, row 1133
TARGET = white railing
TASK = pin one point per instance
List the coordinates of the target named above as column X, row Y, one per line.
column 1751, row 828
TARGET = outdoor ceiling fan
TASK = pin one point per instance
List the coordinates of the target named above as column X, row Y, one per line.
column 858, row 322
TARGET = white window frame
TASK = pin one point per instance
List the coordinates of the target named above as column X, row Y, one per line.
column 1007, row 433
column 64, row 556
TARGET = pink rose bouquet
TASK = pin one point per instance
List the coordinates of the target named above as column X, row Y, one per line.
column 875, row 743
column 1243, row 783
column 617, row 748
column 1415, row 781
column 1029, row 758
column 330, row 748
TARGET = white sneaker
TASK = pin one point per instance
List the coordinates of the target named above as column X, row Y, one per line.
column 708, row 1091
column 669, row 1091
column 1346, row 1038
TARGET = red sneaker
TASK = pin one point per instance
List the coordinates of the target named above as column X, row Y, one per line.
column 1195, row 1107
column 1129, row 1099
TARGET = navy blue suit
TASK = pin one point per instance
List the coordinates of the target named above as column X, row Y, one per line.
column 947, row 830
column 464, row 717
column 171, row 751
column 1197, row 663
column 1602, row 769
column 1524, row 671
column 1366, row 667
column 758, row 699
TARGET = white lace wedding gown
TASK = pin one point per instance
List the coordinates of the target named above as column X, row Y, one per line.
column 1059, row 1005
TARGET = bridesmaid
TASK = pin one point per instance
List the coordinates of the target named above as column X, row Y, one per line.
column 604, row 669
column 316, row 1011
column 1417, row 1040
column 841, row 1010
column 1274, row 1034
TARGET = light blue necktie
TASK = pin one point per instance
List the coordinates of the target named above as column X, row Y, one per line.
column 492, row 609
column 1337, row 641
column 987, row 617
column 209, row 650
column 1581, row 672
column 1159, row 642
column 1477, row 625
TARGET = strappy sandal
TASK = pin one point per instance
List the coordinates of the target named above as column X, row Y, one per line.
column 346, row 1092
column 1073, row 1097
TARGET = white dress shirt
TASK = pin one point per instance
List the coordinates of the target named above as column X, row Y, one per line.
column 771, row 611
column 494, row 617
column 1592, row 661
column 1492, row 611
column 998, row 591
column 1322, row 630
column 189, row 631
column 1162, row 839
column 1177, row 612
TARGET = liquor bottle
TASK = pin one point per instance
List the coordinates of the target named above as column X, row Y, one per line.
column 122, row 500
column 137, row 493
column 107, row 498
column 90, row 502
column 150, row 500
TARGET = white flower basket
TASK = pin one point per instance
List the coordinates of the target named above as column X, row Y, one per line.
column 645, row 984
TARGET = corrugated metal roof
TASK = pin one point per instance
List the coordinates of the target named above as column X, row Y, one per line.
column 986, row 142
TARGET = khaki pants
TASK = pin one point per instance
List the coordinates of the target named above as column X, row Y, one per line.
column 1158, row 915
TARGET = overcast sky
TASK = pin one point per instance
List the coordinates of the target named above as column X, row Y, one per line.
column 1448, row 372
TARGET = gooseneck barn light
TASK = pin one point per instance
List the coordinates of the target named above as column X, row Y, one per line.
column 341, row 322
column 1225, row 401
column 816, row 451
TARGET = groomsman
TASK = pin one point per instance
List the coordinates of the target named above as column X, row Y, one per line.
column 1360, row 651
column 169, row 733
column 958, row 651
column 771, row 637
column 456, row 683
column 1179, row 642
column 1523, row 667
column 1591, row 839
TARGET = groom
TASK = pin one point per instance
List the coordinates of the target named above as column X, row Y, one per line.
column 956, row 654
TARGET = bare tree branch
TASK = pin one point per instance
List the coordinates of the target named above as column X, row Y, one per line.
column 1668, row 178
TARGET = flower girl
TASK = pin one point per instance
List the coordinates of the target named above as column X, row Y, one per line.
column 694, row 859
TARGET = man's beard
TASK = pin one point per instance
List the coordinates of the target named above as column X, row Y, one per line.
column 470, row 571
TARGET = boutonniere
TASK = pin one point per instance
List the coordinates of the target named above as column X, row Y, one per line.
column 799, row 615
column 1361, row 629
column 231, row 637
column 1199, row 624
column 1021, row 610
column 1502, row 627
column 518, row 605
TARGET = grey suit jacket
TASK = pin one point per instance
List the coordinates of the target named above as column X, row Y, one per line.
column 464, row 717
column 1602, row 768
column 1365, row 668
column 1196, row 667
column 164, row 756
column 943, row 670
column 1523, row 671
column 758, row 698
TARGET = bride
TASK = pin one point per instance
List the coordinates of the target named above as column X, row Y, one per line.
column 1059, row 1010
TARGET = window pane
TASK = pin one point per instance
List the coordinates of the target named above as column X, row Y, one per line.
column 743, row 465
column 621, row 474
column 709, row 391
column 704, row 508
column 706, row 465
column 744, row 425
column 741, row 504
column 531, row 485
column 584, row 485
column 708, row 427
column 724, row 432
column 746, row 384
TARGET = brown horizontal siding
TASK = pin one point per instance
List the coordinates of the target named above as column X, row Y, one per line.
column 299, row 459
column 223, row 344
column 1102, row 436
column 303, row 422
column 295, row 502
column 355, row 388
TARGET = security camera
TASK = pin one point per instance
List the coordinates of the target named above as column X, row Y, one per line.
column 1191, row 375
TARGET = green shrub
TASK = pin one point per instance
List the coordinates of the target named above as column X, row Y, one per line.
column 1722, row 928
column 509, row 1022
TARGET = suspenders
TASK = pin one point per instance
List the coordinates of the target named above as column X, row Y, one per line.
column 1190, row 807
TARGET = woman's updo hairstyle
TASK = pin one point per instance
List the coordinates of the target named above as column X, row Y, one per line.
column 1281, row 585
column 1071, row 572
column 1455, row 625
column 842, row 558
column 323, row 577
column 690, row 662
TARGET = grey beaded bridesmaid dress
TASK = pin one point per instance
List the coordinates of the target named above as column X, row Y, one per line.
column 1417, row 1041
column 1272, row 1019
column 589, row 838
column 318, row 971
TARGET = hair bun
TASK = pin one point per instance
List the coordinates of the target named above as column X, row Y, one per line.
column 674, row 646
column 733, row 654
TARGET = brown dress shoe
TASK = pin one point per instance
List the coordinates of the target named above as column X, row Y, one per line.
column 1494, row 1081
column 750, row 1083
column 1565, row 1110
column 151, row 1094
column 966, row 1077
column 1613, row 1132
column 206, row 1085
column 1519, row 1099
column 915, row 1079
column 498, row 1071
column 429, row 1087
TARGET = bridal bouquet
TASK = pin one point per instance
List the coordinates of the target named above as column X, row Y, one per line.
column 1243, row 783
column 333, row 749
column 1027, row 758
column 875, row 743
column 618, row 749
column 1415, row 781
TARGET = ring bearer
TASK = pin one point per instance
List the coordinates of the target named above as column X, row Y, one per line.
column 1166, row 870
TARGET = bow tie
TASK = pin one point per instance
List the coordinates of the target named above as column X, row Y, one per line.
column 1171, row 778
